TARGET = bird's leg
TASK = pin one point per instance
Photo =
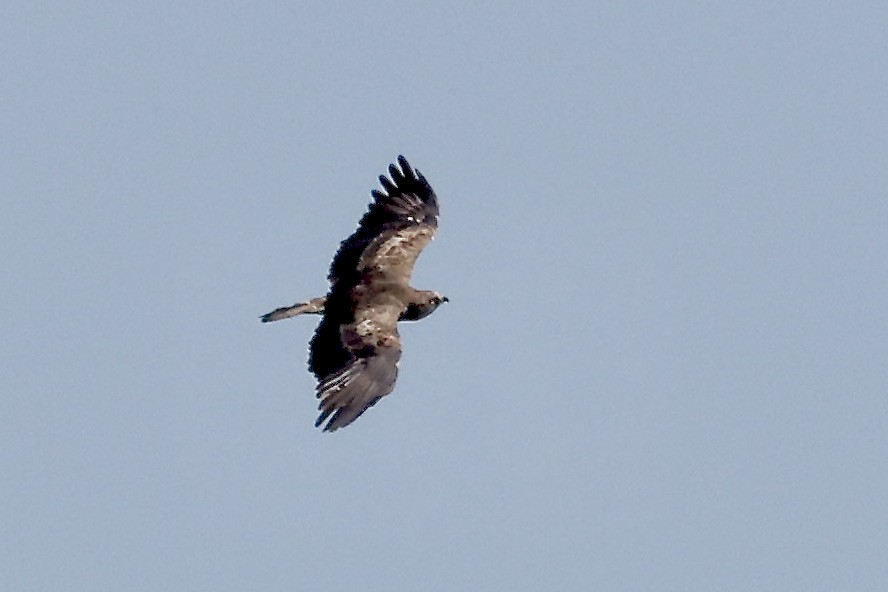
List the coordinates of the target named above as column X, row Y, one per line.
column 313, row 306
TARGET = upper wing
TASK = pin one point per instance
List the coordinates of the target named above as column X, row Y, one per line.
column 374, row 347
column 407, row 206
column 391, row 256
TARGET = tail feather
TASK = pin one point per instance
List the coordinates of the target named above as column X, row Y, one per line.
column 313, row 306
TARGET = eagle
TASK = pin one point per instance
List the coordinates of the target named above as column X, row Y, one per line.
column 355, row 350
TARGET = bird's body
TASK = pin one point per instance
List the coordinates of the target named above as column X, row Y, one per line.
column 355, row 351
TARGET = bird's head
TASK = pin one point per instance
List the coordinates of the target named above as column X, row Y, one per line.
column 436, row 300
column 425, row 304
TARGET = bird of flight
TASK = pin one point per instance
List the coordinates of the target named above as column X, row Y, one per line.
column 355, row 350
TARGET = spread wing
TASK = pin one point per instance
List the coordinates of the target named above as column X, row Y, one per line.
column 356, row 348
column 405, row 210
column 375, row 348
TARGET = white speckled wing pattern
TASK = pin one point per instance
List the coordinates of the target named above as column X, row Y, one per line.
column 392, row 256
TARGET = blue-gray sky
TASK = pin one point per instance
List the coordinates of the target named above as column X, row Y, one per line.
column 664, row 235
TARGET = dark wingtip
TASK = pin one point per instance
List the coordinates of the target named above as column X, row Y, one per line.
column 331, row 425
column 406, row 169
column 322, row 418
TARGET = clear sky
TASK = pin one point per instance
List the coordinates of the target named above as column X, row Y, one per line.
column 664, row 235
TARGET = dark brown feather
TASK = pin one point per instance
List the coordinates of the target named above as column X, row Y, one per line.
column 346, row 394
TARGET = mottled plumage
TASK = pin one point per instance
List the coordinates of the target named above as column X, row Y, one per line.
column 355, row 351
